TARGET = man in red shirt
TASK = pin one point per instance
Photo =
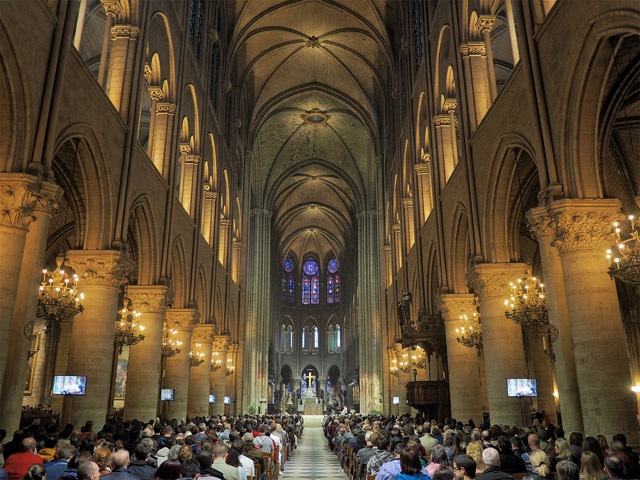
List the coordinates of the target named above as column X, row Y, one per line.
column 18, row 463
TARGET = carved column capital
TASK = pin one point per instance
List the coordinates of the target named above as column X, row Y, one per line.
column 183, row 319
column 156, row 93
column 18, row 199
column 473, row 49
column 490, row 280
column 166, row 108
column 150, row 298
column 584, row 224
column 203, row 333
column 220, row 343
column 407, row 202
column 441, row 120
column 485, row 22
column 124, row 31
column 453, row 306
column 422, row 168
column 108, row 268
column 111, row 7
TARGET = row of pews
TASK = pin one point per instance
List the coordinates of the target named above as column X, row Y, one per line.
column 272, row 468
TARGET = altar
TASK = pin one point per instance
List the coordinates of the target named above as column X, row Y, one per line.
column 310, row 401
column 313, row 409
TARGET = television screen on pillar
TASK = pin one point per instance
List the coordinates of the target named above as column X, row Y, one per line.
column 212, row 399
column 69, row 385
column 227, row 400
column 167, row 394
column 522, row 387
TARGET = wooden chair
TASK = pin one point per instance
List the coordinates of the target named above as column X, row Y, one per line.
column 258, row 474
column 371, row 477
column 519, row 476
column 267, row 461
column 276, row 464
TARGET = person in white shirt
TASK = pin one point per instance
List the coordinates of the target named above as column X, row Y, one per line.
column 247, row 463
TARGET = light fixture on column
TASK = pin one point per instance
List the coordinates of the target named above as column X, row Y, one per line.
column 393, row 369
column 216, row 362
column 527, row 305
column 58, row 296
column 403, row 364
column 470, row 332
column 197, row 358
column 230, row 368
column 170, row 346
column 624, row 258
column 129, row 331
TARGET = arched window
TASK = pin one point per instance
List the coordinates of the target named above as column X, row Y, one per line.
column 310, row 283
column 290, row 339
column 338, row 339
column 282, row 340
column 288, row 284
column 333, row 281
column 316, row 338
column 332, row 339
column 304, row 338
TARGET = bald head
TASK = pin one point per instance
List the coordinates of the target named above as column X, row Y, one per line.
column 120, row 459
column 29, row 444
column 88, row 471
column 491, row 457
column 534, row 442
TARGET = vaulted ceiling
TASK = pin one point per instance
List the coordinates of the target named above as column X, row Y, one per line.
column 313, row 75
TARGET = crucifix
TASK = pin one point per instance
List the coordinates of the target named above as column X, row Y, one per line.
column 309, row 378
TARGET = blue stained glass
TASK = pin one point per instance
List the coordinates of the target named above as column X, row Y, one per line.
column 284, row 288
column 291, row 288
column 336, row 288
column 304, row 338
column 328, row 387
column 333, row 265
column 310, row 267
column 306, row 290
column 338, row 340
column 330, row 289
column 316, row 337
column 290, row 340
column 288, row 265
column 315, row 290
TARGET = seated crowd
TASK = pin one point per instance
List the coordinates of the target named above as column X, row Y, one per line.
column 242, row 447
column 399, row 448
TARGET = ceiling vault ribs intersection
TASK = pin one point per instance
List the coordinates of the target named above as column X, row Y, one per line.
column 313, row 75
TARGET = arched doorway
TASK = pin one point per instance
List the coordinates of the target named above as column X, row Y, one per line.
column 309, row 384
column 335, row 392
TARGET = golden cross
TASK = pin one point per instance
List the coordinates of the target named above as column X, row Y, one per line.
column 310, row 378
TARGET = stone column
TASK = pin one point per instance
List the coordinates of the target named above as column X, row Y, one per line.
column 542, row 227
column 111, row 8
column 200, row 376
column 485, row 24
column 230, row 380
column 258, row 309
column 15, row 369
column 235, row 261
column 584, row 232
column 161, row 151
column 218, row 377
column 101, row 273
column 464, row 362
column 156, row 95
column 502, row 338
column 143, row 375
column 423, row 173
column 403, row 378
column 121, row 65
column 370, row 347
column 176, row 374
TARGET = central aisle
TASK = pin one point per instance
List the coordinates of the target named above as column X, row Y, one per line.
column 312, row 460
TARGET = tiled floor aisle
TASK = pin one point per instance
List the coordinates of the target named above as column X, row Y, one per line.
column 312, row 460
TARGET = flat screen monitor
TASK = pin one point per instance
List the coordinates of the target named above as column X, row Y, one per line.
column 167, row 394
column 227, row 400
column 396, row 400
column 212, row 399
column 522, row 387
column 69, row 385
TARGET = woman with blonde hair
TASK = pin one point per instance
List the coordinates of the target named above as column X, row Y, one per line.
column 590, row 467
column 474, row 450
column 36, row 472
column 563, row 452
column 540, row 464
column 102, row 456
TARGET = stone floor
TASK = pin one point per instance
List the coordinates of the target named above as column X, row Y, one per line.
column 312, row 460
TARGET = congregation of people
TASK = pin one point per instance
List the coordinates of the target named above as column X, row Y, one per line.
column 399, row 448
column 243, row 447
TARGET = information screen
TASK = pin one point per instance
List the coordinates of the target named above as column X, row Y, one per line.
column 167, row 394
column 522, row 387
column 212, row 399
column 227, row 400
column 69, row 385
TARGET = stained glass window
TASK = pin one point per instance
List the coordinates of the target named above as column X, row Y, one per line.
column 288, row 265
column 315, row 290
column 332, row 339
column 196, row 14
column 304, row 338
column 310, row 283
column 288, row 283
column 285, row 294
column 306, row 290
column 418, row 32
column 282, row 340
column 316, row 338
column 291, row 288
column 310, row 267
column 338, row 339
column 290, row 339
column 333, row 280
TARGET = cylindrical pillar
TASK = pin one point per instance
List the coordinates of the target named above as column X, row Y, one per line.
column 404, row 377
column 584, row 232
column 200, row 376
column 143, row 374
column 218, row 377
column 30, row 276
column 101, row 274
column 464, row 362
column 542, row 227
column 176, row 375
column 112, row 8
column 502, row 338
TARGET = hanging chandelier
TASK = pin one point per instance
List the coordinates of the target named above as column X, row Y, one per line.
column 196, row 359
column 403, row 364
column 216, row 362
column 624, row 258
column 58, row 296
column 230, row 368
column 393, row 369
column 128, row 329
column 419, row 358
column 469, row 336
column 527, row 305
column 170, row 346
